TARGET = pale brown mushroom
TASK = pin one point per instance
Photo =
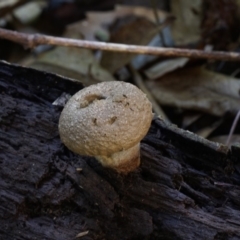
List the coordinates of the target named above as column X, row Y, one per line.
column 107, row 120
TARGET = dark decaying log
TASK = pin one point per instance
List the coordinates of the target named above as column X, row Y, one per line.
column 185, row 188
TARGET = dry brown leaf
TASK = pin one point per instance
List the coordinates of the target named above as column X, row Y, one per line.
column 219, row 26
column 133, row 30
column 186, row 28
column 29, row 12
column 76, row 63
column 164, row 67
column 198, row 89
column 139, row 31
column 7, row 3
column 99, row 21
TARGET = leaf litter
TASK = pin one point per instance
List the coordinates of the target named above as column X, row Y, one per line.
column 178, row 85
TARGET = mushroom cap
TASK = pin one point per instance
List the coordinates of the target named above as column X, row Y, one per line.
column 105, row 118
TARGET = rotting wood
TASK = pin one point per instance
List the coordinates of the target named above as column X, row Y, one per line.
column 173, row 195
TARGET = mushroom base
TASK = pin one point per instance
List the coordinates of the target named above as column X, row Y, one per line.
column 123, row 162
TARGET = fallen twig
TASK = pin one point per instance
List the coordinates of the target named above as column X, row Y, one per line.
column 33, row 40
column 233, row 128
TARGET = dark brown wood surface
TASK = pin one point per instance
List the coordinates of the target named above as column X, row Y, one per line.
column 186, row 187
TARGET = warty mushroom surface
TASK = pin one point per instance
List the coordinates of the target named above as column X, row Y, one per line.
column 108, row 121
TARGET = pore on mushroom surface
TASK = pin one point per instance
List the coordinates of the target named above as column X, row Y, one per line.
column 108, row 121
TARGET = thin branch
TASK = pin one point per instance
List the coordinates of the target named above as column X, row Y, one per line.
column 234, row 125
column 32, row 40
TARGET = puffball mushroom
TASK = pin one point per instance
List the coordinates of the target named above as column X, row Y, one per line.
column 107, row 120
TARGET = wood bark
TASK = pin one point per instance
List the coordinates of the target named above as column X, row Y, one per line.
column 186, row 187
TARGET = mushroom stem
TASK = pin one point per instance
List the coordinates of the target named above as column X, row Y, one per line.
column 124, row 161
